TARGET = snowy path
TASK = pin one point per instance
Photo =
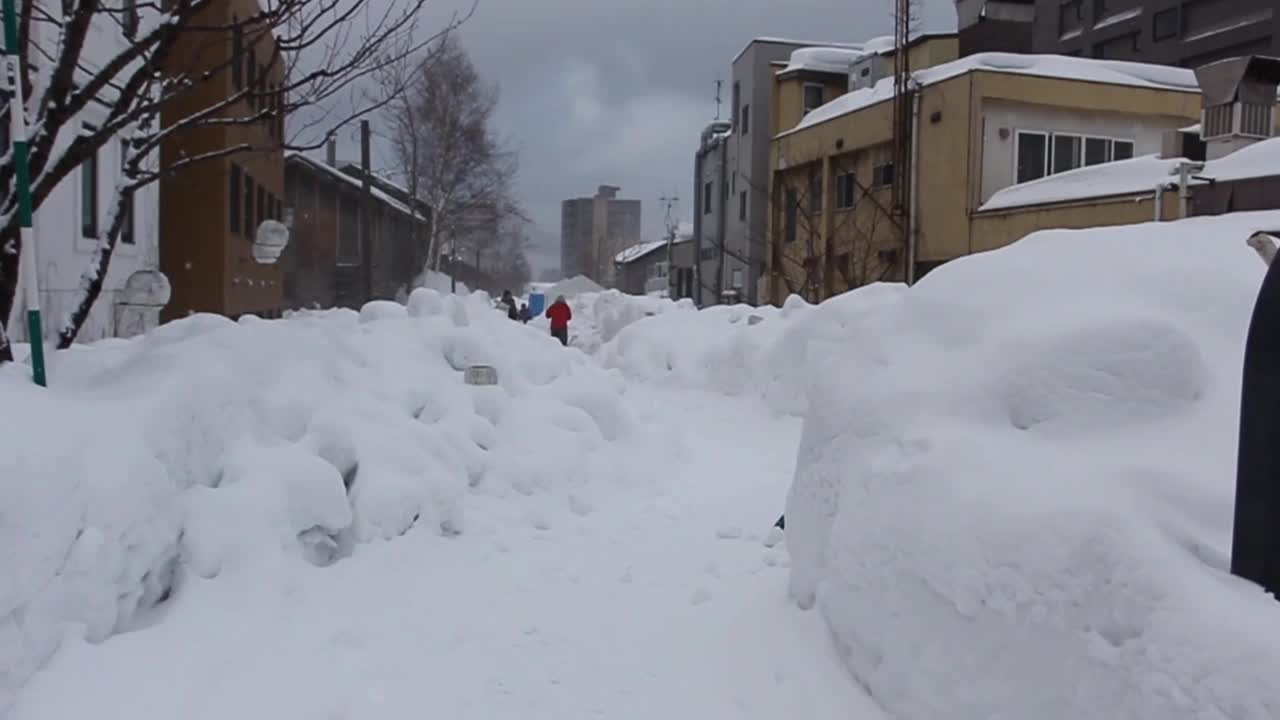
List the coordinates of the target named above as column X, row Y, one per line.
column 647, row 607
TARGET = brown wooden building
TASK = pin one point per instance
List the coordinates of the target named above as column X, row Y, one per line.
column 324, row 263
column 209, row 212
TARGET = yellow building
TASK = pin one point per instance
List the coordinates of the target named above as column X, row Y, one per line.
column 978, row 125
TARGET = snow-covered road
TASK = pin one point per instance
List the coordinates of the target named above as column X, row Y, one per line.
column 658, row 600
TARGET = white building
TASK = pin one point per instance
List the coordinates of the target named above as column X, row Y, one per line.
column 72, row 220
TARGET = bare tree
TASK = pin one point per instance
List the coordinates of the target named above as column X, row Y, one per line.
column 863, row 243
column 441, row 128
column 320, row 52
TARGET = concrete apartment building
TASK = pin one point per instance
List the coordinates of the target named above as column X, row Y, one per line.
column 210, row 211
column 72, row 220
column 983, row 123
column 594, row 230
column 1188, row 33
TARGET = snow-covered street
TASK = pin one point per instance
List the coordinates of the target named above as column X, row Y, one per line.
column 659, row 601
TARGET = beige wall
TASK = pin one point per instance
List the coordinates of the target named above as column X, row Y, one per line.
column 949, row 189
column 993, row 230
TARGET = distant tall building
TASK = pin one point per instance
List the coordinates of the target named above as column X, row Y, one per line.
column 593, row 230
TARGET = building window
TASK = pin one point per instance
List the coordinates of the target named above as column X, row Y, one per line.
column 737, row 103
column 1101, row 8
column 742, row 205
column 1070, row 17
column 1096, row 150
column 790, row 212
column 233, row 210
column 126, row 222
column 846, row 190
column 815, row 192
column 1032, row 156
column 1122, row 150
column 89, row 193
column 708, row 253
column 129, row 17
column 812, row 97
column 248, row 206
column 1066, row 152
column 746, row 119
column 1164, row 24
column 735, row 281
column 882, row 175
column 706, row 199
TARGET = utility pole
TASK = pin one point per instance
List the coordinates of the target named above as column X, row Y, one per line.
column 902, row 91
column 669, row 203
column 719, row 84
column 366, row 212
column 18, row 139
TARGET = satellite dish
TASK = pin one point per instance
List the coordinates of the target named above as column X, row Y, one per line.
column 270, row 241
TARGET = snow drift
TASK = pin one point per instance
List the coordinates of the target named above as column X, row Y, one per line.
column 210, row 447
column 1013, row 495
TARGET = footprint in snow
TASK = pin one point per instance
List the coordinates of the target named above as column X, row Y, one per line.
column 729, row 533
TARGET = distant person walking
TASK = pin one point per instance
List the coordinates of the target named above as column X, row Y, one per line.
column 525, row 315
column 510, row 302
column 559, row 314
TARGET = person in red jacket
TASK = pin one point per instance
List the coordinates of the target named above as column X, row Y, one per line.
column 560, row 315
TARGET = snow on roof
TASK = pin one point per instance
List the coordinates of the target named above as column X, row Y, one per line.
column 635, row 252
column 787, row 41
column 336, row 173
column 1111, row 72
column 1139, row 175
column 1122, row 177
column 822, row 59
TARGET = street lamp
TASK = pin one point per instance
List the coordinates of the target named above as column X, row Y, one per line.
column 18, row 140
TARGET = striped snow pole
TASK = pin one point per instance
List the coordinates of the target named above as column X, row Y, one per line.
column 18, row 135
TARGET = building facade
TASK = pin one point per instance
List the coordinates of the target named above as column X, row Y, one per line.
column 593, row 230
column 1189, row 33
column 983, row 125
column 332, row 216
column 71, row 222
column 210, row 211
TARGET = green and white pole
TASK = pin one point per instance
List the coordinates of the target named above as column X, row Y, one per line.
column 18, row 134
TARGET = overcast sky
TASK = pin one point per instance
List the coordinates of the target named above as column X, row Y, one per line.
column 617, row 91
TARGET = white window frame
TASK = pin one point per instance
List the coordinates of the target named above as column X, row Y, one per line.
column 1017, row 153
column 735, row 281
column 848, row 177
column 804, row 97
column 1053, row 151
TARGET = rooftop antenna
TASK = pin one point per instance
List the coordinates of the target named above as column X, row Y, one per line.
column 719, row 83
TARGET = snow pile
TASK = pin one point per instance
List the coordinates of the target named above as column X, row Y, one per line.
column 1013, row 495
column 570, row 287
column 598, row 317
column 639, row 250
column 740, row 350
column 440, row 282
column 1135, row 176
column 822, row 59
column 209, row 447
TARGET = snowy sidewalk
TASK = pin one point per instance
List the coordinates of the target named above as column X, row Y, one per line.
column 661, row 602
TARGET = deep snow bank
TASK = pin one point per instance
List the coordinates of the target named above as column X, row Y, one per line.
column 1014, row 488
column 207, row 446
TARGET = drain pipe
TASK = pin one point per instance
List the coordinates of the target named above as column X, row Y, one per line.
column 1184, row 195
column 913, row 239
column 1159, row 201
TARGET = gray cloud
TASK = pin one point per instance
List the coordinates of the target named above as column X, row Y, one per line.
column 616, row 91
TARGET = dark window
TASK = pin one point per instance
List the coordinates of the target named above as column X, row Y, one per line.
column 812, row 97
column 89, row 193
column 1164, row 24
column 746, row 119
column 1070, row 16
column 815, row 192
column 248, row 206
column 791, row 211
column 1033, row 156
column 1123, row 150
column 846, row 190
column 882, row 175
column 233, row 216
column 237, row 52
column 126, row 222
column 1101, row 8
column 706, row 199
column 1096, row 151
column 708, row 253
column 1066, row 152
column 742, row 205
column 129, row 17
column 737, row 103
